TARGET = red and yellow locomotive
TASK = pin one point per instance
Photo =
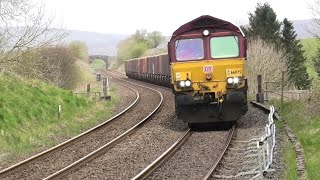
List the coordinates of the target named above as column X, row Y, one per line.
column 205, row 66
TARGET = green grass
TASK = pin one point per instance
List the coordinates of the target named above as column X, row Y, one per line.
column 310, row 47
column 289, row 156
column 290, row 162
column 28, row 115
column 306, row 127
column 98, row 64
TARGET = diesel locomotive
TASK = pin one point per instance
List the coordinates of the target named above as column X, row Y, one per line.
column 205, row 67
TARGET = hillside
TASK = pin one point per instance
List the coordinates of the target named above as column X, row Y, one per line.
column 302, row 27
column 98, row 43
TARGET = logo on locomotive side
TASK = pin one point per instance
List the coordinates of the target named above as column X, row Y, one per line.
column 208, row 69
column 177, row 76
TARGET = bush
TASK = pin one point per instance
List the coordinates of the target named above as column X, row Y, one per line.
column 55, row 65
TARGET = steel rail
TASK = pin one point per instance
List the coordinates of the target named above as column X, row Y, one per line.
column 98, row 152
column 231, row 131
column 162, row 159
column 38, row 156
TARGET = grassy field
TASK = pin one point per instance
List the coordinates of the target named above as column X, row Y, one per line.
column 310, row 47
column 306, row 126
column 28, row 115
column 98, row 64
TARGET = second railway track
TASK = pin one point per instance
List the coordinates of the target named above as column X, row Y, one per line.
column 53, row 160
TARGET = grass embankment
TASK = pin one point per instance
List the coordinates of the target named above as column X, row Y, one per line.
column 306, row 126
column 28, row 115
column 289, row 156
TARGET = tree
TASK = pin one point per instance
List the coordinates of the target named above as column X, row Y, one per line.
column 155, row 38
column 24, row 26
column 80, row 50
column 129, row 49
column 297, row 70
column 263, row 24
column 140, row 36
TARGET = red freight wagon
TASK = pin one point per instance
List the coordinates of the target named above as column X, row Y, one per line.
column 154, row 69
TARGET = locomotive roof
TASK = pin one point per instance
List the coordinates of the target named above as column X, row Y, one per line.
column 206, row 21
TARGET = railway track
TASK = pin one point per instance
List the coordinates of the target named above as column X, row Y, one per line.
column 161, row 160
column 145, row 173
column 64, row 157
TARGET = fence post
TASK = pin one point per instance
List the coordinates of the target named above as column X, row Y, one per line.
column 282, row 87
column 267, row 98
column 88, row 89
column 259, row 96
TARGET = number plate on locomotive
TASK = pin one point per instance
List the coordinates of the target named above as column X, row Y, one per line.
column 208, row 69
column 234, row 72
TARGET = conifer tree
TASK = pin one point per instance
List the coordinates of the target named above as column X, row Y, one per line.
column 296, row 61
column 263, row 23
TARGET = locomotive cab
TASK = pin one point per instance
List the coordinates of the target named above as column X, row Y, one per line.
column 207, row 57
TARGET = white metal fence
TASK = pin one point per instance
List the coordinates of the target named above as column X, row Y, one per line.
column 259, row 152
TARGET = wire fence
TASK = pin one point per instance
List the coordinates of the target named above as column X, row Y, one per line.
column 273, row 90
column 270, row 90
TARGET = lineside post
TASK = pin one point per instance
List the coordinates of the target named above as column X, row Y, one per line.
column 88, row 89
column 105, row 89
column 259, row 96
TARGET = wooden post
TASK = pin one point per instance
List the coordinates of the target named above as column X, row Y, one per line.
column 88, row 89
column 104, row 89
column 267, row 98
column 282, row 87
column 259, row 96
column 259, row 84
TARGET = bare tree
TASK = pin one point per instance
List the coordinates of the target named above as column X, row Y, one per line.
column 264, row 59
column 24, row 26
column 315, row 10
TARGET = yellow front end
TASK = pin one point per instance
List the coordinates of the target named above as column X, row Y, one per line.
column 208, row 76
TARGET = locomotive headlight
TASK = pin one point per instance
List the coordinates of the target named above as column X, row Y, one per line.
column 236, row 80
column 230, row 80
column 188, row 83
column 233, row 80
column 182, row 83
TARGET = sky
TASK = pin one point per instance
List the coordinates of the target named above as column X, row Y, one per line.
column 126, row 16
